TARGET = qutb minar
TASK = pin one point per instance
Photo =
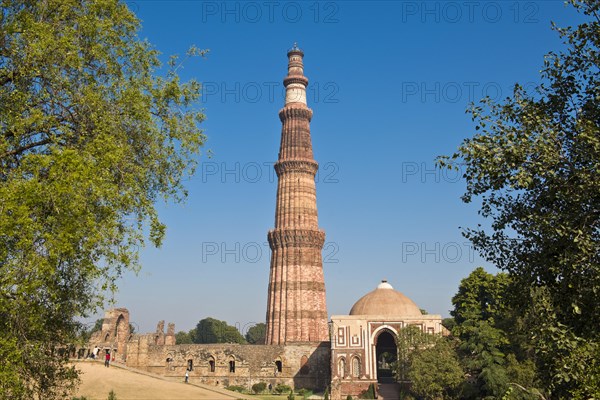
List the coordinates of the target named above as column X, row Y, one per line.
column 347, row 354
column 296, row 309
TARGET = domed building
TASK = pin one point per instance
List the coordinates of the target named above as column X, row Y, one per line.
column 363, row 343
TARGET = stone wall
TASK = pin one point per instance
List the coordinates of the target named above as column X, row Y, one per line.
column 114, row 334
column 299, row 365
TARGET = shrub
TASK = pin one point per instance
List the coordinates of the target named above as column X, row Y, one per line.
column 259, row 387
column 112, row 395
column 281, row 388
column 349, row 397
column 239, row 389
column 291, row 395
column 305, row 393
column 369, row 393
column 326, row 394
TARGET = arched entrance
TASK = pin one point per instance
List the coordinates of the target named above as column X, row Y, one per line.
column 387, row 354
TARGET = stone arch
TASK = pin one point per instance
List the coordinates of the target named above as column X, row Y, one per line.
column 211, row 364
column 355, row 367
column 377, row 331
column 118, row 324
column 231, row 364
column 386, row 353
column 341, row 364
column 169, row 362
column 278, row 365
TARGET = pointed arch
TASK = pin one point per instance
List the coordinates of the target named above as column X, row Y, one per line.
column 211, row 364
column 356, row 367
column 342, row 367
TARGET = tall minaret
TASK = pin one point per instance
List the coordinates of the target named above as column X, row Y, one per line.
column 296, row 310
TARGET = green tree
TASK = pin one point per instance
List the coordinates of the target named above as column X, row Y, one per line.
column 90, row 138
column 409, row 340
column 534, row 164
column 435, row 372
column 257, row 333
column 210, row 330
column 488, row 332
column 182, row 337
column 480, row 296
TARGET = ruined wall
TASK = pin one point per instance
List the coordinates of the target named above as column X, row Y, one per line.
column 114, row 334
column 298, row 365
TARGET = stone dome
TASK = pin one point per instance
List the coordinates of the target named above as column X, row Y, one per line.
column 384, row 300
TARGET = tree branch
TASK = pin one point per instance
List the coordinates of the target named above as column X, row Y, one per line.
column 25, row 148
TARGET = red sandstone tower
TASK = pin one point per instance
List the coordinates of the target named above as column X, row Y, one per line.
column 296, row 310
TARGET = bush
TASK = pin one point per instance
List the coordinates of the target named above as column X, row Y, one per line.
column 239, row 389
column 369, row 393
column 291, row 395
column 349, row 397
column 112, row 395
column 259, row 387
column 281, row 388
column 326, row 394
column 305, row 393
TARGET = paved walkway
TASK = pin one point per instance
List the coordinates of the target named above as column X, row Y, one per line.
column 133, row 384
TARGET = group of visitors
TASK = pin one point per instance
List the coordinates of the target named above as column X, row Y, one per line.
column 95, row 352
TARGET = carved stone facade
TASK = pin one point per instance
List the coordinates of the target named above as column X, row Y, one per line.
column 360, row 341
column 296, row 309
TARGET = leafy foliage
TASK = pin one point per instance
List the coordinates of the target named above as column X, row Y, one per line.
column 210, row 330
column 410, row 339
column 491, row 347
column 305, row 393
column 369, row 393
column 257, row 333
column 435, row 372
column 282, row 388
column 182, row 337
column 535, row 166
column 259, row 387
column 90, row 138
column 234, row 388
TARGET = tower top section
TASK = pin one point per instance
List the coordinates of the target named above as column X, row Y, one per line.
column 296, row 49
column 295, row 82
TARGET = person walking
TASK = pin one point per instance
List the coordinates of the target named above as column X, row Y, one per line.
column 107, row 359
column 187, row 375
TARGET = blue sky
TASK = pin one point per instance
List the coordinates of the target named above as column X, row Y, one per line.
column 389, row 85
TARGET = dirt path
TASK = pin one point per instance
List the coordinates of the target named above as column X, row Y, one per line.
column 97, row 381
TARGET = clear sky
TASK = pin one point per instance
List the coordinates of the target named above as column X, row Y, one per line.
column 389, row 85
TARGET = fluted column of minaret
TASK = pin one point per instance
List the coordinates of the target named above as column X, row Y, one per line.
column 296, row 309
